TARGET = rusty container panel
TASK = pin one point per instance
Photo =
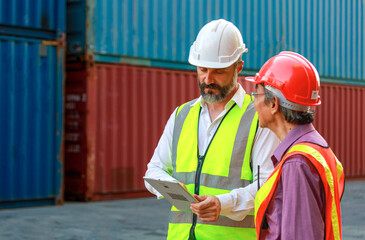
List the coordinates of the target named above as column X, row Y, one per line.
column 340, row 119
column 115, row 115
column 75, row 131
column 131, row 107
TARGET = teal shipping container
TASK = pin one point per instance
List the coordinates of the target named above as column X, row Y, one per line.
column 43, row 19
column 31, row 110
column 159, row 33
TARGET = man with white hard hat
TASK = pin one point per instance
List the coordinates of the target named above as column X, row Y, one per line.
column 214, row 145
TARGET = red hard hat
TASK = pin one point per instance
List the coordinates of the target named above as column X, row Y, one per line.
column 293, row 75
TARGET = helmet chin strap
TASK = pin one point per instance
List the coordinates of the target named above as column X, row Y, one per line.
column 286, row 103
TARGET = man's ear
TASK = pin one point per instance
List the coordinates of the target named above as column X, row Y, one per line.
column 275, row 105
column 239, row 67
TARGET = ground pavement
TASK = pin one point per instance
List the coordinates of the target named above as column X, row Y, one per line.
column 140, row 219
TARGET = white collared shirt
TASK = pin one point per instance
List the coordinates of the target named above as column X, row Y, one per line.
column 239, row 202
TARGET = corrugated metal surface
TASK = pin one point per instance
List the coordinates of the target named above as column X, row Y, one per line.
column 115, row 115
column 132, row 107
column 40, row 19
column 340, row 119
column 75, row 131
column 127, row 108
column 31, row 122
column 76, row 25
column 159, row 33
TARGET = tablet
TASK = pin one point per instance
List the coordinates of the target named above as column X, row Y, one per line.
column 174, row 191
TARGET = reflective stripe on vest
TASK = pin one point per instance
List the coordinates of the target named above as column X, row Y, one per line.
column 227, row 161
column 184, row 217
column 332, row 176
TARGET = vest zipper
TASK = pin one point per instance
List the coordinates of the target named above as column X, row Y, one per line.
column 196, row 191
column 198, row 172
column 199, row 169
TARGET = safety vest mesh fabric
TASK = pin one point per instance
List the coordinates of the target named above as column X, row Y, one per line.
column 332, row 176
column 226, row 167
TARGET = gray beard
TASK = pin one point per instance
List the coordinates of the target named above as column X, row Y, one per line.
column 223, row 91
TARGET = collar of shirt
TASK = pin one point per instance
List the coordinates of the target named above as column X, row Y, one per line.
column 300, row 133
column 207, row 128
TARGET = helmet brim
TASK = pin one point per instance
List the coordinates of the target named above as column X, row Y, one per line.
column 206, row 64
column 254, row 79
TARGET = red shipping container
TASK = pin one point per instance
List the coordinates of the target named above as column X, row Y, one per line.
column 115, row 115
column 340, row 119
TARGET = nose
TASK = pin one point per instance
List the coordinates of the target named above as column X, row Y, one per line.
column 208, row 77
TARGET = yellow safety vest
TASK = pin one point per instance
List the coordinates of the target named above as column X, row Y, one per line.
column 332, row 176
column 225, row 166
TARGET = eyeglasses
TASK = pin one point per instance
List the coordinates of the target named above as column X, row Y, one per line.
column 253, row 94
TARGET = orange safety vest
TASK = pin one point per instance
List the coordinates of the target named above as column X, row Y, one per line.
column 331, row 174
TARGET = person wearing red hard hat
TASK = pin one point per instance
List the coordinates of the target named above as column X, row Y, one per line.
column 301, row 198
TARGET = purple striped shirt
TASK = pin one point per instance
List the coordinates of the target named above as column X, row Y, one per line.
column 297, row 209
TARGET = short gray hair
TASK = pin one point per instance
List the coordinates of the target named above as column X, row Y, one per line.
column 290, row 116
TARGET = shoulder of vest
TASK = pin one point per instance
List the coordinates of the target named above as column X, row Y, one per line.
column 312, row 144
column 295, row 151
column 248, row 104
column 185, row 105
column 251, row 107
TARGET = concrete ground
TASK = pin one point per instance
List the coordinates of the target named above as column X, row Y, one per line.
column 145, row 218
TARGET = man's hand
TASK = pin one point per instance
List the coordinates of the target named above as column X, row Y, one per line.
column 208, row 208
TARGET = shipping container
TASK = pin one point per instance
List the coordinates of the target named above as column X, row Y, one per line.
column 42, row 19
column 31, row 122
column 128, row 70
column 159, row 33
column 340, row 119
column 116, row 113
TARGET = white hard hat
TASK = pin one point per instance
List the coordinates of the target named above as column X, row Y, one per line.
column 219, row 44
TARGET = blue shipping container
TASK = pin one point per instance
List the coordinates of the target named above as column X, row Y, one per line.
column 159, row 33
column 44, row 19
column 31, row 104
column 76, row 26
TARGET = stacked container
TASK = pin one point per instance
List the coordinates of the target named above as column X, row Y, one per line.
column 32, row 42
column 127, row 70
